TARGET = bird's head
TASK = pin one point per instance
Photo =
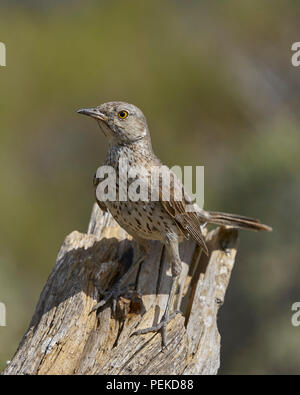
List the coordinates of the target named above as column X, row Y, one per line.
column 121, row 123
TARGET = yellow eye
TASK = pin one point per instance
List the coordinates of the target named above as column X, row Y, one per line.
column 123, row 114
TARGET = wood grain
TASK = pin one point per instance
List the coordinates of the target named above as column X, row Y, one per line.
column 64, row 338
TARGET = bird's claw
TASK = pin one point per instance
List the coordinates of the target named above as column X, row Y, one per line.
column 113, row 294
column 161, row 327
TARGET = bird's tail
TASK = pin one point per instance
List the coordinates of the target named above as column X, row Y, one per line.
column 236, row 221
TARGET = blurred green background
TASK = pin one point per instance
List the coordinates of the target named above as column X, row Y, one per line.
column 216, row 83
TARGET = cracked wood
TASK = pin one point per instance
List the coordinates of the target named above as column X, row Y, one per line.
column 63, row 338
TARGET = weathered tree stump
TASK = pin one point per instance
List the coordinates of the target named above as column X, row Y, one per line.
column 64, row 338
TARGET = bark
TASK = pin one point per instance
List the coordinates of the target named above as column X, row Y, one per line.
column 64, row 338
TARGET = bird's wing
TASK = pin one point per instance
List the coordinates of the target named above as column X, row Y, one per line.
column 176, row 204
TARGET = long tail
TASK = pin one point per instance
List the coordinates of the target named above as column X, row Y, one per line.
column 237, row 221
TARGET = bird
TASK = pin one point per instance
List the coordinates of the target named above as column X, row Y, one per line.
column 165, row 219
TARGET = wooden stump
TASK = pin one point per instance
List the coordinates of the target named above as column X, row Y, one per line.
column 64, row 338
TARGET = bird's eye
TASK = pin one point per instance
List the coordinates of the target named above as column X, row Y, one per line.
column 122, row 114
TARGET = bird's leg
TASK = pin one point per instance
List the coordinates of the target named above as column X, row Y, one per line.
column 118, row 289
column 167, row 316
column 176, row 266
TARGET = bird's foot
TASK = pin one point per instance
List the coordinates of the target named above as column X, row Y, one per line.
column 161, row 327
column 117, row 289
column 113, row 295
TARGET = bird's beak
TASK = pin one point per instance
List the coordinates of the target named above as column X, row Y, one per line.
column 94, row 113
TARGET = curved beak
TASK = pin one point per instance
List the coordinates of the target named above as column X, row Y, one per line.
column 94, row 113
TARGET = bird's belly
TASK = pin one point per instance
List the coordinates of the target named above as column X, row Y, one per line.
column 147, row 220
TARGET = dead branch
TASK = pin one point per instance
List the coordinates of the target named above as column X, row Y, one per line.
column 63, row 338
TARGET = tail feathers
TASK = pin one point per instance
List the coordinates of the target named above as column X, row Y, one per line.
column 237, row 221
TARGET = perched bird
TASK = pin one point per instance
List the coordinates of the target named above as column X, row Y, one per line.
column 167, row 220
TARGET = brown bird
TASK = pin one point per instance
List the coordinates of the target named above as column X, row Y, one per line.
column 166, row 219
